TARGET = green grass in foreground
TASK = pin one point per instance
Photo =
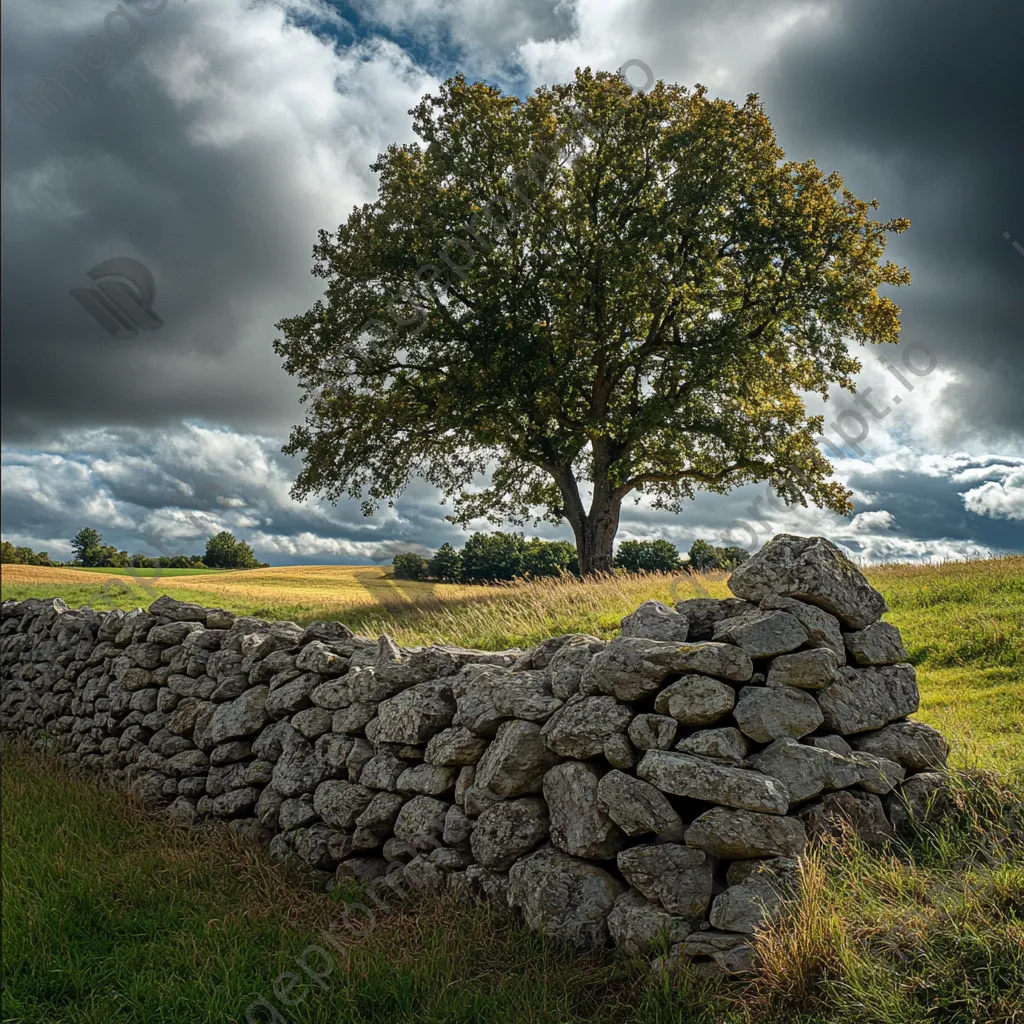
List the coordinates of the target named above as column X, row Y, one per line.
column 112, row 916
column 142, row 572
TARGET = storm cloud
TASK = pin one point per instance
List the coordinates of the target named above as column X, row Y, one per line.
column 212, row 140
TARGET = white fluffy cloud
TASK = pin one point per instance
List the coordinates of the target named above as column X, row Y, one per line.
column 1001, row 499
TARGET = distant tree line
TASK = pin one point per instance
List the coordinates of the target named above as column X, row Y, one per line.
column 508, row 556
column 22, row 556
column 223, row 551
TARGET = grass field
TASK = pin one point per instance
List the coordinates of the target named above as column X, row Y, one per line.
column 110, row 915
column 142, row 573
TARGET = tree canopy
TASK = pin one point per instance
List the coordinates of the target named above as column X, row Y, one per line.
column 590, row 289
column 225, row 551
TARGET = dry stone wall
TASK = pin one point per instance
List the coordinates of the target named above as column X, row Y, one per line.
column 659, row 786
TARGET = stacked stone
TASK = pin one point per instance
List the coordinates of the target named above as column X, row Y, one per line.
column 662, row 784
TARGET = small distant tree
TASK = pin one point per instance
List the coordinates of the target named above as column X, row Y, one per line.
column 549, row 558
column 493, row 556
column 87, row 545
column 446, row 565
column 409, row 566
column 7, row 552
column 647, row 556
column 225, row 551
column 731, row 557
column 703, row 556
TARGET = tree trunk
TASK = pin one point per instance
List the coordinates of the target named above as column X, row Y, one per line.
column 594, row 530
column 595, row 539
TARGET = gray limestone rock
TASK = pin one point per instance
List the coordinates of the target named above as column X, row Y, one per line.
column 581, row 728
column 638, row 926
column 339, row 802
column 764, row 714
column 814, row 570
column 751, row 903
column 515, row 762
column 455, row 746
column 704, row 613
column 654, row 620
column 564, row 897
column 738, row 835
column 637, row 807
column 695, row 700
column 653, row 732
column 677, row 878
column 508, row 830
column 426, row 778
column 416, row 714
column 632, row 668
column 916, row 746
column 566, row 668
column 806, row 670
column 864, row 699
column 922, row 800
column 877, row 644
column 762, row 634
column 579, row 824
column 847, row 809
column 420, row 822
column 699, row 779
column 726, row 744
column 823, row 629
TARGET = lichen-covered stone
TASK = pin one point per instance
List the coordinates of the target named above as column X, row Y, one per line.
column 916, row 746
column 764, row 714
column 762, row 634
column 877, row 644
column 639, row 926
column 814, row 570
column 738, row 835
column 806, row 670
column 583, row 725
column 654, row 620
column 579, row 824
column 567, row 898
column 695, row 700
column 506, row 831
column 631, row 668
column 677, row 878
column 726, row 744
column 751, row 903
column 515, row 762
column 699, row 779
column 864, row 699
column 653, row 732
column 823, row 630
column 637, row 807
column 852, row 809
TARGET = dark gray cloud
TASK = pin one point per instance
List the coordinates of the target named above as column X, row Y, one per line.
column 922, row 102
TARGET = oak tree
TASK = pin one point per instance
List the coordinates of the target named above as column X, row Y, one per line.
column 560, row 302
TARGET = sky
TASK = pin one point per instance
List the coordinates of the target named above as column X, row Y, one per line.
column 212, row 139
